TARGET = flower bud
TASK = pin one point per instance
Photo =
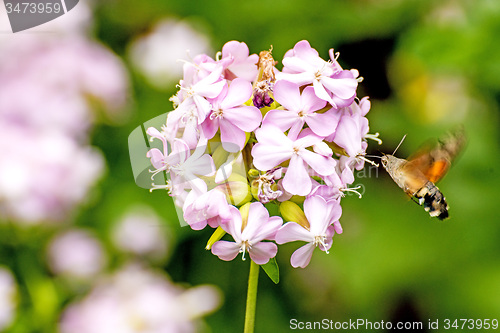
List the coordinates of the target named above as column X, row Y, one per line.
column 292, row 212
column 299, row 200
column 236, row 189
column 254, row 190
column 253, row 173
column 236, row 177
column 216, row 236
column 244, row 210
column 261, row 96
column 337, row 149
column 220, row 156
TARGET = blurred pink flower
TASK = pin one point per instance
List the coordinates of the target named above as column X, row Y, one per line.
column 137, row 300
column 50, row 88
column 8, row 298
column 43, row 175
column 47, row 83
column 76, row 254
column 141, row 232
column 156, row 55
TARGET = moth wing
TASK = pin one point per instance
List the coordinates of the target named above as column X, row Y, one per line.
column 434, row 160
column 432, row 166
column 452, row 145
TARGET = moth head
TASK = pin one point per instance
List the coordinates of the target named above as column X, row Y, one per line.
column 390, row 162
column 384, row 159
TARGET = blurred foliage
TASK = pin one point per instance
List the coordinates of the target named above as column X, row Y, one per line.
column 428, row 66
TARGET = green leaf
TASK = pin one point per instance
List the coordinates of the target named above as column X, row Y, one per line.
column 272, row 270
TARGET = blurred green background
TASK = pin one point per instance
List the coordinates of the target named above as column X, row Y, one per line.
column 428, row 66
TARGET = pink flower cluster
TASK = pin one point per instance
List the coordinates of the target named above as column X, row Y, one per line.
column 136, row 299
column 244, row 134
column 45, row 105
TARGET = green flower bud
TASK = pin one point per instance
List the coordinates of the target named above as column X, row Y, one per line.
column 298, row 199
column 292, row 212
column 213, row 144
column 216, row 236
column 244, row 215
column 336, row 148
column 220, row 156
column 237, row 192
column 253, row 173
column 254, row 189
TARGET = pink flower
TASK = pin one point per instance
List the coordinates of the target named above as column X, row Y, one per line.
column 141, row 232
column 320, row 214
column 156, row 55
column 208, row 208
column 76, row 254
column 195, row 96
column 274, row 148
column 299, row 109
column 350, row 135
column 315, row 113
column 138, row 300
column 8, row 298
column 337, row 183
column 360, row 108
column 184, row 168
column 44, row 183
column 302, row 65
column 44, row 105
column 258, row 228
column 242, row 64
column 233, row 118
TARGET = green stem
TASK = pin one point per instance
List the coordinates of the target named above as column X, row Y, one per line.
column 253, row 281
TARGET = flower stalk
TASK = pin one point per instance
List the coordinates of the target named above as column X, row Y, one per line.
column 253, row 281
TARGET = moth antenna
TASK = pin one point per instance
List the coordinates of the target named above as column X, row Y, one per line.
column 394, row 152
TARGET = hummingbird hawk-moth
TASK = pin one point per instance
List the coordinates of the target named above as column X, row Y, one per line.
column 418, row 174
